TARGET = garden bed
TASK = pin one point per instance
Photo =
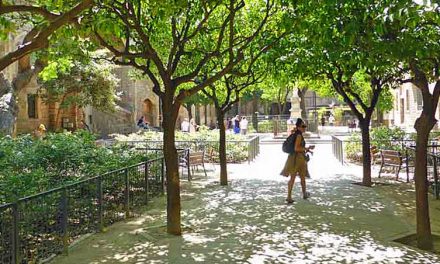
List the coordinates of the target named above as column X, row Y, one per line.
column 411, row 240
column 29, row 166
column 237, row 146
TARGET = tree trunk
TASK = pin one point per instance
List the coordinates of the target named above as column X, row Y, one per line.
column 424, row 238
column 380, row 120
column 189, row 109
column 222, row 148
column 172, row 170
column 197, row 114
column 366, row 161
column 280, row 107
column 236, row 109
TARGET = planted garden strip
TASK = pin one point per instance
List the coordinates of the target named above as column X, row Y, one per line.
column 237, row 150
column 36, row 227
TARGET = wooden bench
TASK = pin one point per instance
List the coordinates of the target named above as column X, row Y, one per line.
column 391, row 158
column 192, row 161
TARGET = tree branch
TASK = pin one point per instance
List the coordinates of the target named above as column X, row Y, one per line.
column 41, row 40
column 5, row 9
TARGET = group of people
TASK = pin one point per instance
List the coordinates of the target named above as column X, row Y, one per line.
column 237, row 125
column 296, row 162
column 188, row 126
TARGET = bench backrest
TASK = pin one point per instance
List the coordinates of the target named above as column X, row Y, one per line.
column 196, row 157
column 391, row 157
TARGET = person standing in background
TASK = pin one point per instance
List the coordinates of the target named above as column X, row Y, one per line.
column 237, row 124
column 331, row 120
column 243, row 125
column 184, row 127
column 192, row 126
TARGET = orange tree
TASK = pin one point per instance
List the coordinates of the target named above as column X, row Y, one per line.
column 415, row 40
column 343, row 42
column 172, row 43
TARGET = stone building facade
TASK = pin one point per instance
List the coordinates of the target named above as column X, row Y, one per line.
column 136, row 99
column 408, row 104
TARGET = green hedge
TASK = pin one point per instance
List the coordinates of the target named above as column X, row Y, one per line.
column 236, row 144
column 29, row 166
column 381, row 137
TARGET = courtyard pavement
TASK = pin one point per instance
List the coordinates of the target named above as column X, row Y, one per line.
column 250, row 222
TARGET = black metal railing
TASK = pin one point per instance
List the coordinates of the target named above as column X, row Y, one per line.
column 433, row 160
column 38, row 227
column 251, row 146
column 407, row 149
column 338, row 149
column 339, row 145
column 432, row 166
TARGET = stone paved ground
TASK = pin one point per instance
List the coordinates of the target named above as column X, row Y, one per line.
column 249, row 221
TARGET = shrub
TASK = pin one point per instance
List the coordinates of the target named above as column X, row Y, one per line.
column 29, row 166
column 387, row 138
column 381, row 137
column 203, row 139
column 353, row 148
column 265, row 126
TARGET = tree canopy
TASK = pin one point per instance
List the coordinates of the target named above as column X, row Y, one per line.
column 83, row 84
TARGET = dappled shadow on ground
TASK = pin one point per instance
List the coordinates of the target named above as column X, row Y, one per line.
column 249, row 222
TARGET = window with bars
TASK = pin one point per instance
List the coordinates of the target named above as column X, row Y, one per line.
column 32, row 105
column 418, row 98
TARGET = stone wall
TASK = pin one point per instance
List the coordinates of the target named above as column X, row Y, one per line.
column 407, row 106
column 25, row 124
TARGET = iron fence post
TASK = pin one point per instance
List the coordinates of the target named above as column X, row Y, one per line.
column 249, row 143
column 188, row 164
column 255, row 146
column 333, row 146
column 162, row 172
column 436, row 189
column 258, row 144
column 127, row 194
column 338, row 149
column 16, row 256
column 342, row 151
column 146, row 182
column 407, row 164
column 64, row 220
column 253, row 149
column 100, row 204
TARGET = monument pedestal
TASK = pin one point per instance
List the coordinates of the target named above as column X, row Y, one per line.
column 295, row 110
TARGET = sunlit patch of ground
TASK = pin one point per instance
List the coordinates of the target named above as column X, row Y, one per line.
column 249, row 221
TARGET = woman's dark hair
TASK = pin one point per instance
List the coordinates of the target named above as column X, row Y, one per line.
column 299, row 122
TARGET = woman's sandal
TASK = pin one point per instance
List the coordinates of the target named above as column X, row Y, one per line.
column 289, row 201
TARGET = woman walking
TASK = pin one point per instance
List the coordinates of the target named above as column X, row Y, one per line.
column 296, row 162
